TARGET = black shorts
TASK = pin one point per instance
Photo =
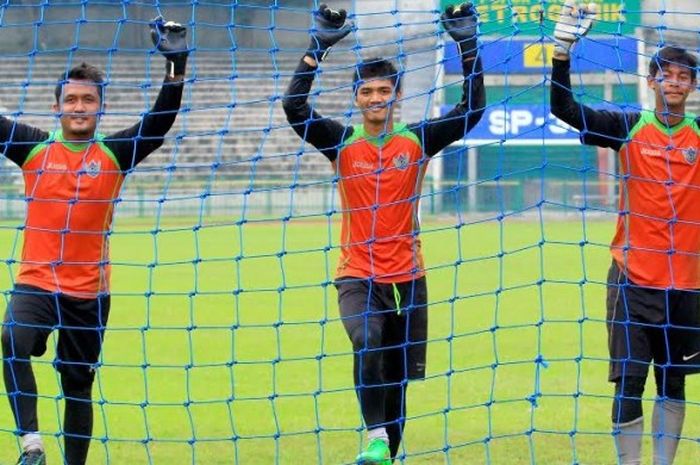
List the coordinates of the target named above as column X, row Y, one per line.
column 646, row 325
column 33, row 314
column 401, row 309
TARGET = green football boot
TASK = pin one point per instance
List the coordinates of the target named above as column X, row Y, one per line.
column 377, row 453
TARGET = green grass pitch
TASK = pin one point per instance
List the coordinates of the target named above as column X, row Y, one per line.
column 194, row 365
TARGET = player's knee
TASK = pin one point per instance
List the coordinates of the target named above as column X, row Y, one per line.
column 627, row 404
column 366, row 337
column 6, row 341
column 366, row 343
column 14, row 343
column 76, row 387
column 671, row 387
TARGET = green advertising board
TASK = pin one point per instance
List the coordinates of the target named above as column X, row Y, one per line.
column 535, row 17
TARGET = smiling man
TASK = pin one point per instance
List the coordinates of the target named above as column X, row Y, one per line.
column 653, row 282
column 380, row 165
column 72, row 181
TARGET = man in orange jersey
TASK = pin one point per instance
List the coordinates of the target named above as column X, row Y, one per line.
column 72, row 181
column 652, row 302
column 380, row 164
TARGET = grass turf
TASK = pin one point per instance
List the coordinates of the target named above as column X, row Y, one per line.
column 224, row 347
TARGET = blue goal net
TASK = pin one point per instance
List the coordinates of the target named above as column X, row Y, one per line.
column 224, row 342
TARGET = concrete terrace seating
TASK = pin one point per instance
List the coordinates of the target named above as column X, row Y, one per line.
column 232, row 110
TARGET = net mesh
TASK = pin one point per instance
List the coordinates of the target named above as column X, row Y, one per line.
column 224, row 343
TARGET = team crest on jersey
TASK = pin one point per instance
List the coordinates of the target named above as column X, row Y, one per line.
column 92, row 168
column 690, row 154
column 401, row 161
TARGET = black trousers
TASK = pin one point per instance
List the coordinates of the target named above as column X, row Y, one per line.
column 387, row 324
column 31, row 316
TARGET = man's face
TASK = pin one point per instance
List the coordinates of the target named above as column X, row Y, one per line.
column 672, row 85
column 375, row 99
column 79, row 107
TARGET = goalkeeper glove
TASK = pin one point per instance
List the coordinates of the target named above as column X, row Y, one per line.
column 573, row 23
column 330, row 28
column 461, row 24
column 169, row 39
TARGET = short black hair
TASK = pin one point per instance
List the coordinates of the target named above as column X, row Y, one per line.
column 82, row 72
column 673, row 56
column 376, row 68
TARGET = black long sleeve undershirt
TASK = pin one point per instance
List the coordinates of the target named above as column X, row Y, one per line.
column 323, row 133
column 435, row 134
column 134, row 144
column 601, row 128
column 18, row 139
column 130, row 146
column 438, row 133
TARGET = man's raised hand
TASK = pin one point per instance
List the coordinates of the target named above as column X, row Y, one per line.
column 170, row 39
column 461, row 23
column 330, row 27
column 573, row 23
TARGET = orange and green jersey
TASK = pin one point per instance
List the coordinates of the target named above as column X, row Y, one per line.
column 379, row 181
column 657, row 239
column 657, row 236
column 71, row 190
column 379, row 178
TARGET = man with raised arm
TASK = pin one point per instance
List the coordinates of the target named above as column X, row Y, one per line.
column 380, row 165
column 652, row 301
column 72, row 181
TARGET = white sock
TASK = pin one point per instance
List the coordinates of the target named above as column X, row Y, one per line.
column 378, row 433
column 32, row 441
column 628, row 441
column 667, row 424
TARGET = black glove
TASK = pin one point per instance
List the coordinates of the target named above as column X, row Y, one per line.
column 461, row 24
column 330, row 28
column 169, row 38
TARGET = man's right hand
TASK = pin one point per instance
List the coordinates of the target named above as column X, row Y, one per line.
column 573, row 23
column 330, row 27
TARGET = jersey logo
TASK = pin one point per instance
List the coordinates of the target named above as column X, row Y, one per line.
column 690, row 154
column 92, row 168
column 649, row 152
column 57, row 166
column 365, row 165
column 401, row 161
column 688, row 357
